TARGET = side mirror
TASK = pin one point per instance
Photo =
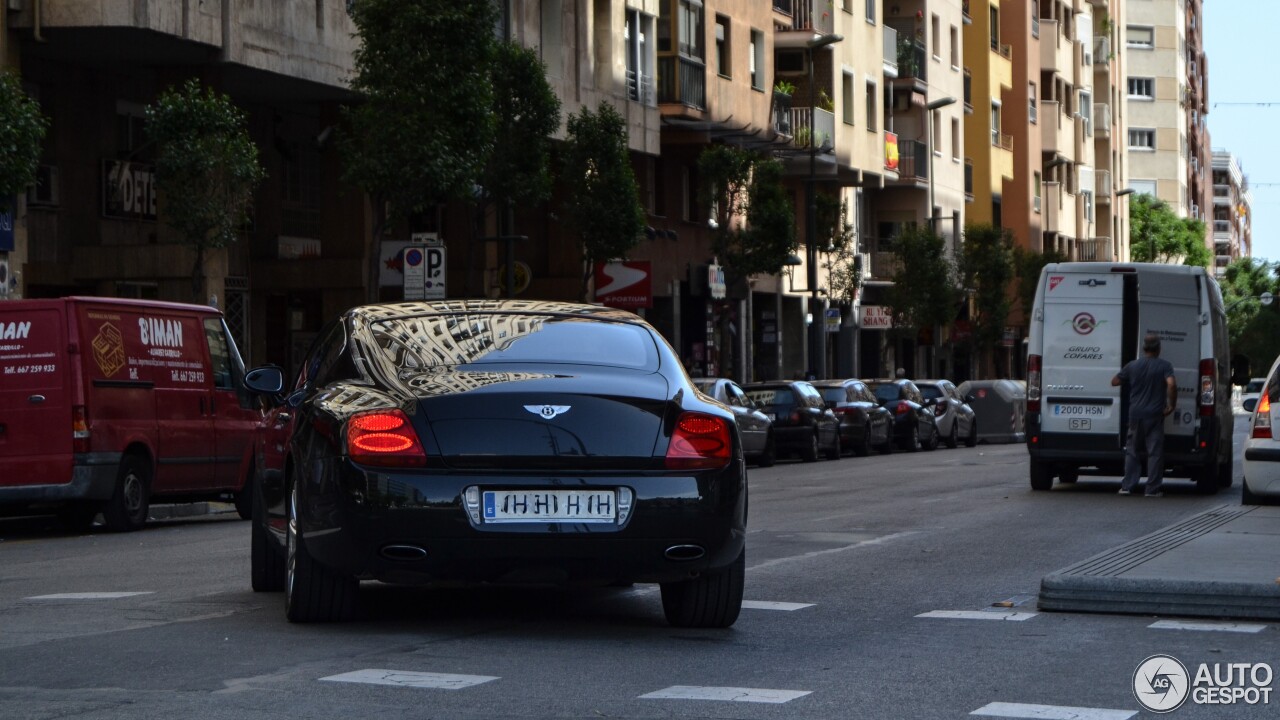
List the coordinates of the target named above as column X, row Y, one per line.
column 265, row 380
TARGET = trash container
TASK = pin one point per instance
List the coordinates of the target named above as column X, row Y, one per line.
column 1000, row 408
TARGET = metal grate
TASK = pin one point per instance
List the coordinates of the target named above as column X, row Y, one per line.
column 237, row 312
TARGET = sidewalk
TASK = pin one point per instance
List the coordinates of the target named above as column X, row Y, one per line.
column 1223, row 563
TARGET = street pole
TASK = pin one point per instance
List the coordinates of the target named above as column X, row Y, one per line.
column 929, row 109
column 817, row 349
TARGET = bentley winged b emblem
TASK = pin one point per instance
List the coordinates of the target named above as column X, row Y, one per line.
column 547, row 412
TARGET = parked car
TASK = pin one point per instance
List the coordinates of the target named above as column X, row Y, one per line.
column 1262, row 448
column 1249, row 394
column 754, row 426
column 492, row 441
column 803, row 425
column 914, row 425
column 999, row 408
column 864, row 423
column 953, row 415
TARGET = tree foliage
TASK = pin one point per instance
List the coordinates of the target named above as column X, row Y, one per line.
column 207, row 168
column 604, row 203
column 1027, row 266
column 1254, row 329
column 736, row 183
column 987, row 267
column 527, row 114
column 424, row 123
column 843, row 266
column 22, row 131
column 923, row 292
column 1157, row 234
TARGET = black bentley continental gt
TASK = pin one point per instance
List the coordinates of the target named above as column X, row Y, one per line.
column 490, row 441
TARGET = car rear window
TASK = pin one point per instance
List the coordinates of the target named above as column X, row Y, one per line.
column 833, row 394
column 772, row 396
column 930, row 392
column 1255, row 385
column 415, row 343
column 886, row 392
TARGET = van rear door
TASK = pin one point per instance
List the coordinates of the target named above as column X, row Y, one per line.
column 35, row 403
column 1170, row 307
column 1083, row 346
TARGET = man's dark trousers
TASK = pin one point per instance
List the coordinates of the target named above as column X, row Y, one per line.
column 1148, row 431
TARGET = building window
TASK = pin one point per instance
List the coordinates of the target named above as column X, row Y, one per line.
column 723, row 55
column 1140, row 36
column 846, row 97
column 636, row 32
column 995, row 28
column 937, row 133
column 1035, row 200
column 1033, row 110
column 1086, row 111
column 871, row 10
column 1035, row 18
column 1142, row 139
column 955, row 139
column 1142, row 88
column 757, row 59
column 935, row 37
column 872, row 114
column 955, row 47
column 995, row 124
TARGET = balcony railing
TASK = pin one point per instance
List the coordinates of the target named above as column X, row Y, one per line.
column 813, row 124
column 1102, row 51
column 812, row 15
column 639, row 87
column 1222, row 226
column 964, row 8
column 1103, row 180
column 884, row 265
column 968, row 92
column 911, row 60
column 682, row 80
column 1102, row 119
column 1093, row 250
column 913, row 160
column 968, row 179
column 1221, row 194
column 1051, row 135
column 890, row 51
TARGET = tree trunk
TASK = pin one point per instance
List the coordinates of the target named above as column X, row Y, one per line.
column 375, row 250
column 197, row 276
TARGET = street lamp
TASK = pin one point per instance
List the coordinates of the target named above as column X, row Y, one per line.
column 817, row 353
column 939, row 103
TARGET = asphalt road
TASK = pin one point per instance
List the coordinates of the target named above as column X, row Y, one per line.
column 861, row 547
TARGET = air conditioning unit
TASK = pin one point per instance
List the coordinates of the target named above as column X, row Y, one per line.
column 863, row 265
column 45, row 190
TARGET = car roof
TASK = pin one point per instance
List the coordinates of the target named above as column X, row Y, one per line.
column 388, row 311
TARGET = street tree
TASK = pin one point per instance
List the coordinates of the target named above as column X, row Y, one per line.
column 742, row 192
column 1253, row 329
column 923, row 293
column 603, row 196
column 207, row 168
column 841, row 259
column 1027, row 265
column 987, row 268
column 423, row 125
column 1157, row 234
column 22, row 131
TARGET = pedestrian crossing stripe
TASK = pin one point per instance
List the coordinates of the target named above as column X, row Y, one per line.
column 411, row 679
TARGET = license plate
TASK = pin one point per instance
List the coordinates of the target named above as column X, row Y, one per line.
column 1096, row 412
column 1080, row 423
column 550, row 506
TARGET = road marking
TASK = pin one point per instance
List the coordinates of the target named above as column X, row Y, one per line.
column 730, row 694
column 818, row 553
column 769, row 605
column 1211, row 626
column 978, row 615
column 405, row 678
column 89, row 595
column 1051, row 712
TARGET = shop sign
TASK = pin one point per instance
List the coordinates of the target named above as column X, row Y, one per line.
column 875, row 317
column 831, row 316
column 715, row 281
column 626, row 284
column 128, row 190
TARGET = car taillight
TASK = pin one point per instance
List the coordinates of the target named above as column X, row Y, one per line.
column 1033, row 383
column 902, row 409
column 796, row 417
column 384, row 438
column 79, row 429
column 1208, row 378
column 700, row 442
column 1262, row 418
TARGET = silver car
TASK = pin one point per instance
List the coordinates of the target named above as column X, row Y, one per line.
column 754, row 426
column 1262, row 449
column 954, row 416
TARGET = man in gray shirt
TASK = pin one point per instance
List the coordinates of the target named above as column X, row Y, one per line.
column 1152, row 396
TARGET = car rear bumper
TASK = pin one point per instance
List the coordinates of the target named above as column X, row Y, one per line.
column 1262, row 467
column 792, row 437
column 93, row 477
column 1094, row 449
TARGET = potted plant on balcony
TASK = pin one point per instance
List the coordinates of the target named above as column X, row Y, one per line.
column 782, row 92
column 825, row 102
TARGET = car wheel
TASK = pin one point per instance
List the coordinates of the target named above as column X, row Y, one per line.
column 972, row 440
column 770, row 454
column 887, row 447
column 863, row 448
column 933, row 440
column 834, row 452
column 1225, row 478
column 313, row 592
column 267, row 571
column 128, row 506
column 911, row 442
column 711, row 600
column 810, row 451
column 1069, row 475
column 1207, row 479
column 953, row 438
column 1041, row 475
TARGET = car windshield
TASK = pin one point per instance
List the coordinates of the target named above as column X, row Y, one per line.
column 930, row 392
column 772, row 396
column 887, row 392
column 414, row 343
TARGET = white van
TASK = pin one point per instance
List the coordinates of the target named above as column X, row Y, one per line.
column 1088, row 321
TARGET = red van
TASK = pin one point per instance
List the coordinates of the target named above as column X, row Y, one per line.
column 108, row 404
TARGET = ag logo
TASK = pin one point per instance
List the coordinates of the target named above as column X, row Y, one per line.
column 1161, row 683
column 1084, row 323
column 547, row 412
column 1054, row 281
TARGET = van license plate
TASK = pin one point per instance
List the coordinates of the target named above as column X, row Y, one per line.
column 1097, row 412
column 1080, row 423
column 550, row 506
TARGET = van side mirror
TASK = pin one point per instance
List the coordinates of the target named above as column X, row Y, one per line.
column 265, row 380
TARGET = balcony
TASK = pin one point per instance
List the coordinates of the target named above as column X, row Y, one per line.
column 1051, row 135
column 1056, row 52
column 968, row 92
column 964, row 9
column 1102, row 180
column 884, row 265
column 890, row 52
column 1059, row 210
column 1093, row 250
column 640, row 88
column 913, row 161
column 1221, row 194
column 682, row 81
column 968, row 179
column 1102, row 53
column 807, row 15
column 1102, row 120
column 1222, row 227
column 912, row 61
column 813, row 123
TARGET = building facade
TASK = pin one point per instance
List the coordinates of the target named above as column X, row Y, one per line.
column 1232, row 212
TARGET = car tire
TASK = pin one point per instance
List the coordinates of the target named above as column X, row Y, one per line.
column 887, row 447
column 313, row 592
column 834, row 452
column 863, row 448
column 267, row 571
column 953, row 438
column 972, row 439
column 770, row 454
column 1225, row 478
column 1207, row 479
column 1069, row 475
column 127, row 509
column 244, row 498
column 1041, row 475
column 934, row 441
column 810, row 451
column 911, row 442
column 711, row 600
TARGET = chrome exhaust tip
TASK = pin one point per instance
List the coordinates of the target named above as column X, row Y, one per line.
column 403, row 552
column 684, row 552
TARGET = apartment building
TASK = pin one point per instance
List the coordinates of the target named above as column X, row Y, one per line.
column 988, row 140
column 1167, row 95
column 1110, row 131
column 1232, row 211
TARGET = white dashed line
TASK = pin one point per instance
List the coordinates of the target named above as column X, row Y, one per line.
column 730, row 694
column 89, row 595
column 405, row 678
column 1208, row 626
column 768, row 605
column 1051, row 712
column 978, row 615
